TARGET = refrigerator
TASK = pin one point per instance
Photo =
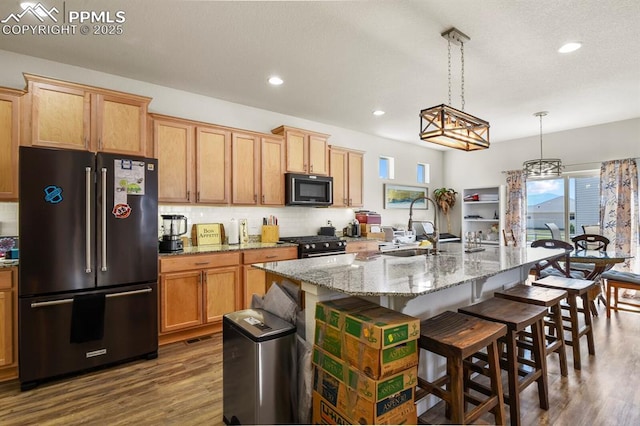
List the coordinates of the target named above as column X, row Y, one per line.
column 87, row 286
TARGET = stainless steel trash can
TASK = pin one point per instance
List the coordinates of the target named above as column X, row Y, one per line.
column 258, row 359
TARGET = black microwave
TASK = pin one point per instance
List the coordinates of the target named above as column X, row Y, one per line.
column 308, row 190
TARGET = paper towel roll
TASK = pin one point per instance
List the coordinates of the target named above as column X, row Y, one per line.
column 234, row 236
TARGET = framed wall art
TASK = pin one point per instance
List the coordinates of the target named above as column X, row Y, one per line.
column 400, row 197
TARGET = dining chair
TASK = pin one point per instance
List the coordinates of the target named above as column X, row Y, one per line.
column 509, row 238
column 559, row 266
column 555, row 231
column 590, row 242
column 591, row 229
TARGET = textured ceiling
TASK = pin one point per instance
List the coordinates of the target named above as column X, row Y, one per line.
column 342, row 60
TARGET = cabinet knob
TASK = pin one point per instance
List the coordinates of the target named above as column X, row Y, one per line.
column 198, row 196
column 263, row 198
column 188, row 195
column 311, row 167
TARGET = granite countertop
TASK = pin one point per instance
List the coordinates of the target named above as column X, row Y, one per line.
column 376, row 274
column 219, row 248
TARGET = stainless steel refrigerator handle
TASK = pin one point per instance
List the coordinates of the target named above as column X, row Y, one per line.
column 65, row 301
column 104, row 219
column 87, row 255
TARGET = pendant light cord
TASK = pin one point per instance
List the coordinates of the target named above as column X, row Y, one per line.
column 541, row 157
column 449, row 69
column 462, row 73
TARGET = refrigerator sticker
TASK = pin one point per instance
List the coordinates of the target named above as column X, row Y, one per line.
column 53, row 194
column 121, row 211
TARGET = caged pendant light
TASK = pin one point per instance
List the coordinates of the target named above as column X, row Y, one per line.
column 447, row 126
column 543, row 167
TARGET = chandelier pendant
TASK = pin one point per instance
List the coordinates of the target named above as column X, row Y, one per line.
column 448, row 126
column 542, row 167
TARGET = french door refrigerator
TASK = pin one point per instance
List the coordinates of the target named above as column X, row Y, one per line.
column 88, row 273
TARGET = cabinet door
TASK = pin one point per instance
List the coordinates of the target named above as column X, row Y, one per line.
column 244, row 169
column 338, row 164
column 180, row 300
column 213, row 165
column 355, row 168
column 173, row 144
column 272, row 172
column 60, row 117
column 121, row 125
column 222, row 292
column 254, row 283
column 6, row 327
column 9, row 139
column 296, row 152
column 317, row 149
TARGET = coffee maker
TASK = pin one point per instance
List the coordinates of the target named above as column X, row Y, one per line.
column 173, row 225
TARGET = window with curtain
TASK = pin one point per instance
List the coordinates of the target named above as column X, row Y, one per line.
column 569, row 201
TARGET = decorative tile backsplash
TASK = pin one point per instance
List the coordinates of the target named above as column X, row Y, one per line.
column 9, row 219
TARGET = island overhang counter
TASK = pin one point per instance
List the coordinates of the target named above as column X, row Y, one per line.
column 420, row 286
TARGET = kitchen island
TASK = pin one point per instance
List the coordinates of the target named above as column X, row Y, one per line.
column 418, row 285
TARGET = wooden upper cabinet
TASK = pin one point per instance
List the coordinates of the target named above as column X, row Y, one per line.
column 121, row 124
column 346, row 167
column 173, row 147
column 60, row 116
column 245, row 151
column 213, row 165
column 306, row 151
column 73, row 116
column 9, row 140
column 272, row 171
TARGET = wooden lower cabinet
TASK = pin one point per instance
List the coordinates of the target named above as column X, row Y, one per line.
column 195, row 292
column 8, row 323
column 359, row 246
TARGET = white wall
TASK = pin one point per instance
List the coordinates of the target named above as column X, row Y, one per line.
column 579, row 149
column 293, row 220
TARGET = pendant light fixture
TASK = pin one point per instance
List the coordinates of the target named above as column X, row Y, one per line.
column 543, row 167
column 447, row 126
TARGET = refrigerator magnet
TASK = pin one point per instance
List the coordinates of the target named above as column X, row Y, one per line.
column 53, row 194
column 121, row 210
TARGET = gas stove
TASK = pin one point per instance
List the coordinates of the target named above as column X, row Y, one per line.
column 317, row 245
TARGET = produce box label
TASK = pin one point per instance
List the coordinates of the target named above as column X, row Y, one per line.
column 381, row 327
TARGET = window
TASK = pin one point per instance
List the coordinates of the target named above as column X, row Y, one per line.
column 423, row 173
column 569, row 202
column 385, row 167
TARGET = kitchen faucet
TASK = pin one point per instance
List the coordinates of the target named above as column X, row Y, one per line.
column 436, row 234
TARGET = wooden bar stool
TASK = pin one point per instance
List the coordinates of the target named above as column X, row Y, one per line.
column 549, row 298
column 517, row 317
column 456, row 336
column 575, row 289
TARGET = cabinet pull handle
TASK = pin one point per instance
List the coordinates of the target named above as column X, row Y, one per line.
column 344, row 201
column 305, row 167
column 255, row 198
column 310, row 167
column 99, row 143
column 87, row 248
column 263, row 198
column 104, row 219
column 273, row 256
column 349, row 201
column 198, row 196
column 188, row 195
column 202, row 263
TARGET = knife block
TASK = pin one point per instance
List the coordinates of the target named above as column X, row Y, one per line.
column 270, row 233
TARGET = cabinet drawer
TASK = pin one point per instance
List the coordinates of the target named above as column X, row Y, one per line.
column 270, row 255
column 353, row 247
column 5, row 279
column 204, row 261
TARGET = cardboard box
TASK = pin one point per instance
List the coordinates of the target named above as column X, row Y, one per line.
column 325, row 413
column 333, row 312
column 207, row 233
column 381, row 327
column 375, row 363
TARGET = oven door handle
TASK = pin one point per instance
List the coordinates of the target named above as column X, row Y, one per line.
column 325, row 253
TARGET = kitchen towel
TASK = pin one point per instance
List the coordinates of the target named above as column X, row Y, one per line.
column 87, row 318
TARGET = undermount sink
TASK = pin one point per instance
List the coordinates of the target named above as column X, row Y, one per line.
column 408, row 252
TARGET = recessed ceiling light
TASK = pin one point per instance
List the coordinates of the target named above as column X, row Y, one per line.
column 378, row 112
column 570, row 47
column 275, row 80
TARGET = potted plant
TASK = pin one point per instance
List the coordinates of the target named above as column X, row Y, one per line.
column 445, row 198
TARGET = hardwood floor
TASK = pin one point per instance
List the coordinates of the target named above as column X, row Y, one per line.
column 184, row 387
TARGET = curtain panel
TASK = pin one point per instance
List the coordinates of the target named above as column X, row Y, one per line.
column 619, row 206
column 516, row 214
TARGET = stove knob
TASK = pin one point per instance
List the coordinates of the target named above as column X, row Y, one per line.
column 340, row 243
column 306, row 246
column 313, row 246
column 326, row 245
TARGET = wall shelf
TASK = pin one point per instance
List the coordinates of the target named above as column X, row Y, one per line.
column 487, row 210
